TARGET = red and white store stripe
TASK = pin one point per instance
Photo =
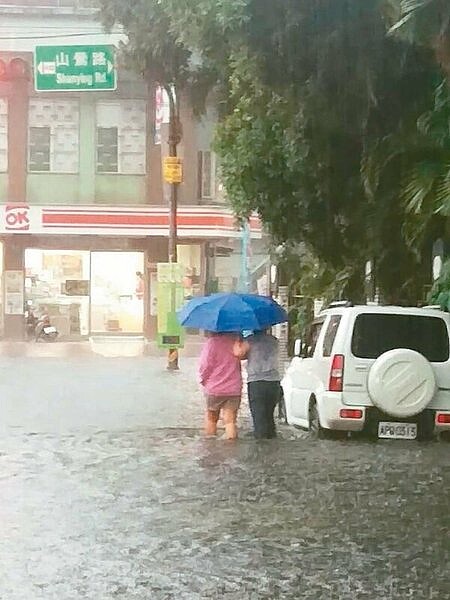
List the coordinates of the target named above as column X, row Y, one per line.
column 192, row 221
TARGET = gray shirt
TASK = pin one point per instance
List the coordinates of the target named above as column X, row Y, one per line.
column 262, row 362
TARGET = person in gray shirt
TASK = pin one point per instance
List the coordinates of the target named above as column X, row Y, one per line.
column 263, row 377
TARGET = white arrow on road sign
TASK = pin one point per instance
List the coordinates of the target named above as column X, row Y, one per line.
column 110, row 66
column 47, row 68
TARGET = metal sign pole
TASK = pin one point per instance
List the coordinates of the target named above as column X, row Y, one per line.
column 244, row 283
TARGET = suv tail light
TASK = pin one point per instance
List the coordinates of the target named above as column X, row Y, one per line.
column 336, row 374
column 351, row 413
column 443, row 418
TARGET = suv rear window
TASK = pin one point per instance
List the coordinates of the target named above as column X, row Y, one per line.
column 313, row 338
column 375, row 334
column 330, row 335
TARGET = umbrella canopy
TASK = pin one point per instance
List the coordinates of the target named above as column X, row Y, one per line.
column 231, row 312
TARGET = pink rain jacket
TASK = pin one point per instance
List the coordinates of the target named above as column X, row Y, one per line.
column 219, row 369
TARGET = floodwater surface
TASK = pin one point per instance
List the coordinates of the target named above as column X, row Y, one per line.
column 107, row 490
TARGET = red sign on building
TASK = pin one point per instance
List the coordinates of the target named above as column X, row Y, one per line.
column 16, row 217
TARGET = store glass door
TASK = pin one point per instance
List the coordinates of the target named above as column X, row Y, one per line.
column 117, row 292
column 2, row 310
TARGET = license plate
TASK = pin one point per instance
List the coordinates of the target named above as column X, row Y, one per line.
column 397, row 431
column 49, row 329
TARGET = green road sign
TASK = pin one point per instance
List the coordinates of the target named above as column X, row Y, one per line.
column 74, row 68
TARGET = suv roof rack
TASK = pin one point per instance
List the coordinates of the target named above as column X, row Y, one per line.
column 340, row 304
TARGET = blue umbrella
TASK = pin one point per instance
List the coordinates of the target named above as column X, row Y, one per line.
column 231, row 312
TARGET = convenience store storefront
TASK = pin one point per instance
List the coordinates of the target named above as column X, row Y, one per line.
column 93, row 269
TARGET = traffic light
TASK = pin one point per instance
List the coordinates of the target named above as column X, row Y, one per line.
column 13, row 70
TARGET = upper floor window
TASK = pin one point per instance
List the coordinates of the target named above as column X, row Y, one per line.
column 121, row 134
column 206, row 174
column 3, row 135
column 53, row 136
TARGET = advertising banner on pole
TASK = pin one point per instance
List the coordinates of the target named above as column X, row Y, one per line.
column 170, row 299
column 161, row 112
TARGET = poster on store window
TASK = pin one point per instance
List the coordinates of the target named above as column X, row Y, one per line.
column 76, row 287
column 14, row 293
column 154, row 294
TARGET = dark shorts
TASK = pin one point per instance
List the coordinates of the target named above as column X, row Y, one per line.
column 217, row 403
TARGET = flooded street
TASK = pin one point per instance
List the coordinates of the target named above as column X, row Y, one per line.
column 109, row 494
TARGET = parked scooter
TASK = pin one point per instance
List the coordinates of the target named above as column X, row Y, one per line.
column 45, row 331
column 30, row 321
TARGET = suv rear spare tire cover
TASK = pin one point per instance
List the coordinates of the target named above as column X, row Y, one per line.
column 401, row 383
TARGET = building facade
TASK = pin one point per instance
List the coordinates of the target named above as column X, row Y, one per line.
column 83, row 209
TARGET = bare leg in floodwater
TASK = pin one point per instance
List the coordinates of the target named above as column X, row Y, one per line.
column 230, row 418
column 211, row 419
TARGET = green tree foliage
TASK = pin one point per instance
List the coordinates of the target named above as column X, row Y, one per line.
column 425, row 22
column 426, row 150
column 426, row 187
column 331, row 129
column 156, row 50
column 318, row 99
column 152, row 48
column 427, row 184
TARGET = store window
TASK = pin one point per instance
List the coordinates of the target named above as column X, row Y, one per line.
column 53, row 136
column 3, row 135
column 86, row 292
column 121, row 133
column 57, row 284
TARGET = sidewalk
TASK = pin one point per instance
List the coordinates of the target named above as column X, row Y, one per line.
column 103, row 346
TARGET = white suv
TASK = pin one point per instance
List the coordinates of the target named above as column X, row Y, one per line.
column 384, row 370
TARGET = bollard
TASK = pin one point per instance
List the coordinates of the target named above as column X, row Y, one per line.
column 172, row 360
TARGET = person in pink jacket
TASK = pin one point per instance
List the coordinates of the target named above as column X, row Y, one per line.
column 221, row 378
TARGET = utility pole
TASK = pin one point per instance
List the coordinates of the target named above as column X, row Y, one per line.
column 174, row 140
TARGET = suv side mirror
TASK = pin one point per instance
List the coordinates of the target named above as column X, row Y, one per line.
column 298, row 347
